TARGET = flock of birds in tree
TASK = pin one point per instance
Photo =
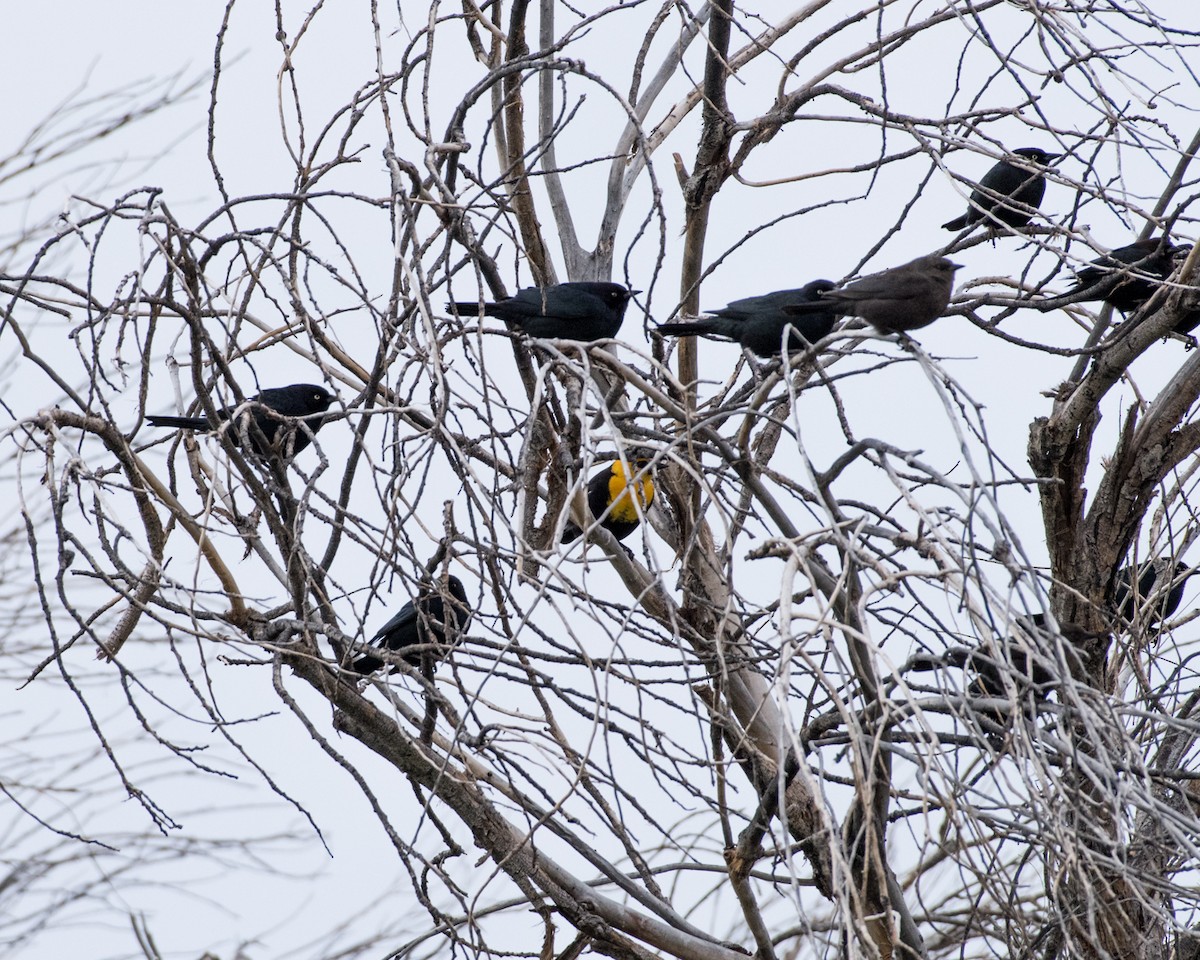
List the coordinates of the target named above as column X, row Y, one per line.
column 282, row 421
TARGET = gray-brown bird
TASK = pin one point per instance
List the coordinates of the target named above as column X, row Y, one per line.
column 903, row 298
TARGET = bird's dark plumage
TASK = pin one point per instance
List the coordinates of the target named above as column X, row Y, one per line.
column 1129, row 276
column 612, row 485
column 1187, row 323
column 757, row 323
column 990, row 662
column 1008, row 193
column 286, row 417
column 906, row 297
column 1128, row 605
column 1029, row 673
column 584, row 310
column 428, row 622
column 991, row 667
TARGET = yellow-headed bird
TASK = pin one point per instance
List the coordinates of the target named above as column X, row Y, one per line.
column 612, row 486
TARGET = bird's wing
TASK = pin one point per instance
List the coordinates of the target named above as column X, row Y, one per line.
column 598, row 496
column 401, row 630
column 749, row 307
column 884, row 286
column 565, row 304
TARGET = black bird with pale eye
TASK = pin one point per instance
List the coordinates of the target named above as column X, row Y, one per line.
column 286, row 419
column 429, row 624
column 1129, row 276
column 903, row 298
column 583, row 310
column 1009, row 192
column 757, row 323
column 1166, row 598
column 611, row 493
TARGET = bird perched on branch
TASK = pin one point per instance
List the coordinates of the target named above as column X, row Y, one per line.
column 989, row 663
column 610, row 499
column 430, row 625
column 1167, row 597
column 995, row 667
column 1009, row 193
column 903, row 298
column 586, row 310
column 757, row 323
column 1129, row 276
column 279, row 419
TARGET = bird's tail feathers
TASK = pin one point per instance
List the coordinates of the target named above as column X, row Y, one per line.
column 185, row 423
column 570, row 533
column 468, row 308
column 689, row 328
column 366, row 665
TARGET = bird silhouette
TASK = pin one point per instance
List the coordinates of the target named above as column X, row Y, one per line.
column 998, row 665
column 1129, row 276
column 1009, row 192
column 758, row 323
column 284, row 419
column 583, row 310
column 427, row 624
column 1150, row 599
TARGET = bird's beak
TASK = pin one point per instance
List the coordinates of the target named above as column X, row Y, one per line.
column 956, row 266
column 634, row 293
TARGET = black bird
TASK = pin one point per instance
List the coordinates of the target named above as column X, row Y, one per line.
column 1187, row 323
column 1031, row 675
column 989, row 663
column 610, row 490
column 1008, row 193
column 428, row 624
column 286, row 418
column 757, row 323
column 585, row 310
column 906, row 297
column 1128, row 605
column 1129, row 276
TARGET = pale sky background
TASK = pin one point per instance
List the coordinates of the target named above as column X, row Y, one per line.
column 54, row 51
